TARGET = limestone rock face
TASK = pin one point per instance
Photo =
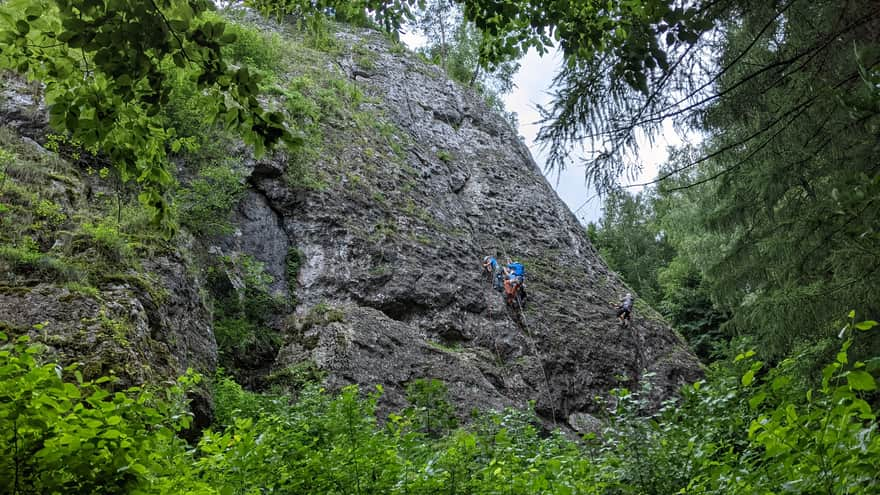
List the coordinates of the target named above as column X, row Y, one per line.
column 411, row 189
column 143, row 323
column 125, row 329
column 394, row 242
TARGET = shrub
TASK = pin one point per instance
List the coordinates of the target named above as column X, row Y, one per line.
column 206, row 204
column 62, row 434
column 108, row 241
column 25, row 259
column 431, row 410
column 253, row 47
column 293, row 264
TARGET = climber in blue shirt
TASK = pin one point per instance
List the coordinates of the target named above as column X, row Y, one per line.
column 517, row 273
column 517, row 269
column 493, row 268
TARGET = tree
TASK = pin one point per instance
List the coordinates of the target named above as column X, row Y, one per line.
column 436, row 21
column 106, row 67
column 789, row 175
column 620, row 59
column 630, row 242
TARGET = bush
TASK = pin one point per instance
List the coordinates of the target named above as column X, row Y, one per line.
column 253, row 47
column 25, row 259
column 742, row 430
column 108, row 241
column 206, row 204
column 62, row 434
column 431, row 410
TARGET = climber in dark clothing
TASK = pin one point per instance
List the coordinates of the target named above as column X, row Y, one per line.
column 624, row 310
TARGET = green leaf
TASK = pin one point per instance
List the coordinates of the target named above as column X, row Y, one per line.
column 179, row 25
column 748, row 378
column 780, row 382
column 866, row 325
column 112, row 434
column 860, row 380
column 71, row 391
column 756, row 401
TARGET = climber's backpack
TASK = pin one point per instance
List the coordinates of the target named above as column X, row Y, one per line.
column 518, row 269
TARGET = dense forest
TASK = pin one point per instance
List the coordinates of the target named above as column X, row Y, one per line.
column 758, row 244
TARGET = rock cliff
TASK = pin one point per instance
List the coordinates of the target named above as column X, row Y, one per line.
column 376, row 238
column 394, row 241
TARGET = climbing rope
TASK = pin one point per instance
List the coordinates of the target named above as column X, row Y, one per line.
column 640, row 357
column 522, row 325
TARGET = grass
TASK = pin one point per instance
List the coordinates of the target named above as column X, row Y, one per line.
column 444, row 348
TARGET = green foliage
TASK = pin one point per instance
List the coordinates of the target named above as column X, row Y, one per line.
column 254, row 47
column 50, row 212
column 243, row 312
column 293, row 262
column 108, row 100
column 431, row 411
column 231, row 402
column 296, row 377
column 322, row 314
column 444, row 156
column 319, row 33
column 640, row 238
column 207, row 202
column 786, row 201
column 60, row 433
column 242, row 343
column 746, row 428
column 25, row 258
column 106, row 239
column 630, row 242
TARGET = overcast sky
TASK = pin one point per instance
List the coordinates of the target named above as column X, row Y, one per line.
column 532, row 89
column 532, row 85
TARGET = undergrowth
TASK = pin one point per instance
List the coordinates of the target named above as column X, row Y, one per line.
column 744, row 429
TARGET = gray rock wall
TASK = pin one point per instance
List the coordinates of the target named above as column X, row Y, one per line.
column 395, row 242
column 144, row 322
column 416, row 187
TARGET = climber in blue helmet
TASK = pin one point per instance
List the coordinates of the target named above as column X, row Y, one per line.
column 517, row 269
